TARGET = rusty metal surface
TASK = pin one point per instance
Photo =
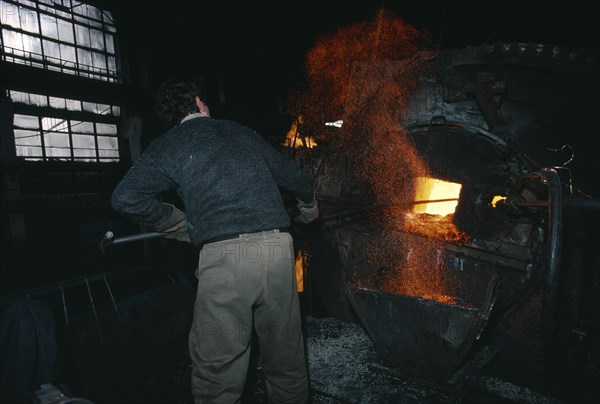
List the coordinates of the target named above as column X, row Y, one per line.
column 427, row 336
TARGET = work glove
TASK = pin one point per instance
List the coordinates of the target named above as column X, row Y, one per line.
column 176, row 225
column 308, row 211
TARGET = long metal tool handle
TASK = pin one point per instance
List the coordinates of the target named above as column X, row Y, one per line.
column 110, row 240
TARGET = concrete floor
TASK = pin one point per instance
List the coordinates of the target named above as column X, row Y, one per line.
column 343, row 368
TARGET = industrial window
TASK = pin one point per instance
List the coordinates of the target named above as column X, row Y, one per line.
column 67, row 36
column 51, row 128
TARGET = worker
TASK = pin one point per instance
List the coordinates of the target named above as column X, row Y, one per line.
column 229, row 180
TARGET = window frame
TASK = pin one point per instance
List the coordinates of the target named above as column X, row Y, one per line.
column 70, row 117
column 110, row 71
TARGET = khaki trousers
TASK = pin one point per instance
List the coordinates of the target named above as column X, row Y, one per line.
column 243, row 283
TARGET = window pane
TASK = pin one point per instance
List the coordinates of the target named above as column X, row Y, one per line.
column 10, row 14
column 97, row 39
column 28, row 143
column 52, row 51
column 84, row 155
column 74, row 105
column 110, row 43
column 57, row 145
column 29, row 99
column 84, row 58
column 90, row 107
column 29, row 152
column 49, row 27
column 108, row 143
column 63, row 14
column 92, row 12
column 67, row 54
column 49, row 10
column 29, row 20
column 84, row 146
column 27, row 138
column 82, row 34
column 107, row 17
column 84, row 142
column 103, row 109
column 38, row 100
column 12, row 39
column 26, row 121
column 99, row 61
column 55, row 125
column 65, row 31
column 106, row 129
column 17, row 96
column 82, row 127
column 33, row 45
column 109, row 155
column 112, row 65
column 56, row 102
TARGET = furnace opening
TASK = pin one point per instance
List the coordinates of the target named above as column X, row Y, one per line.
column 436, row 197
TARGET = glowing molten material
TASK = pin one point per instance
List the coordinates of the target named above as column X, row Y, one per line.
column 497, row 199
column 433, row 213
column 437, row 192
column 295, row 138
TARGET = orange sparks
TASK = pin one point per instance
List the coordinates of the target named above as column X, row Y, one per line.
column 364, row 75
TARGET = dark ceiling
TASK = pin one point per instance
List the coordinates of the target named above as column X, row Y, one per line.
column 258, row 46
column 273, row 36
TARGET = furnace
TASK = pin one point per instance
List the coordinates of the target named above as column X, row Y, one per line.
column 437, row 223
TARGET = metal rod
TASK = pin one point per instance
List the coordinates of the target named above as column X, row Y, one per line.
column 136, row 237
column 584, row 204
column 526, row 204
column 94, row 310
column 112, row 298
column 110, row 240
column 552, row 275
column 358, row 209
column 391, row 204
column 64, row 303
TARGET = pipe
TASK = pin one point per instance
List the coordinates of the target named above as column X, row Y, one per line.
column 552, row 275
column 575, row 204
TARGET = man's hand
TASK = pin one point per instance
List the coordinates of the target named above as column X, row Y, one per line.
column 176, row 225
column 308, row 211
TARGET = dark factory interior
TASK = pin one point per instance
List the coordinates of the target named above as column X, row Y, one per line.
column 453, row 149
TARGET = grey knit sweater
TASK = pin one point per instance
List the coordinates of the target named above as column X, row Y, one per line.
column 226, row 174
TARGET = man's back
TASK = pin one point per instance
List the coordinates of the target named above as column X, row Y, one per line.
column 225, row 173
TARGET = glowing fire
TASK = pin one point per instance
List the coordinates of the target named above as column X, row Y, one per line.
column 300, row 270
column 497, row 199
column 435, row 203
column 420, row 272
column 295, row 138
column 439, row 197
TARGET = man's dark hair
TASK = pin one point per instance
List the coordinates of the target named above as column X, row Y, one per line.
column 175, row 99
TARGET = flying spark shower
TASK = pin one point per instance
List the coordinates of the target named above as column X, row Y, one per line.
column 364, row 75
